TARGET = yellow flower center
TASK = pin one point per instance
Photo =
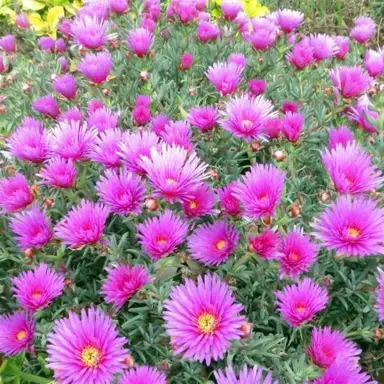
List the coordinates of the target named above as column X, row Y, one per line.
column 21, row 335
column 170, row 181
column 207, row 322
column 247, row 123
column 301, row 307
column 221, row 244
column 162, row 240
column 294, row 256
column 353, row 232
column 193, row 205
column 36, row 295
column 91, row 357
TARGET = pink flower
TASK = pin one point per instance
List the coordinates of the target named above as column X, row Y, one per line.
column 36, row 289
column 272, row 127
column 231, row 8
column 16, row 332
column 246, row 376
column 22, row 21
column 225, row 77
column 71, row 114
column 158, row 123
column 204, row 118
column 143, row 375
column 58, row 172
column 160, row 236
column 65, row 27
column 178, row 133
column 64, row 65
column 86, row 348
column 94, row 105
column 238, row 58
column 140, row 41
column 186, row 61
column 106, row 148
column 47, row 44
column 244, row 116
column 374, row 62
column 90, row 32
column 200, row 202
column 141, row 115
column 14, row 193
column 327, row 346
column 96, row 8
column 267, row 244
column 119, row 6
column 257, row 86
column 292, row 125
column 102, row 119
column 47, row 105
column 301, row 302
column 350, row 169
column 83, row 225
column 207, row 31
column 2, row 65
column 380, row 295
column 123, row 192
column 340, row 136
column 290, row 106
column 324, row 46
column 122, row 282
column 260, row 190
column 301, row 55
column 203, row 319
column 96, row 67
column 363, row 114
column 66, row 85
column 263, row 34
column 343, row 44
column 60, row 46
column 352, row 227
column 186, row 10
column 289, row 20
column 364, row 29
column 229, row 202
column 174, row 172
column 8, row 44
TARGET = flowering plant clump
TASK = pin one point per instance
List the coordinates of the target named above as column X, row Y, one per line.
column 191, row 192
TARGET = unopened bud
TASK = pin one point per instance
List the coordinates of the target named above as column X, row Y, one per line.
column 49, row 203
column 255, row 146
column 192, row 91
column 294, row 210
column 27, row 88
column 129, row 361
column 213, row 173
column 246, row 330
column 106, row 91
column 325, row 196
column 144, row 75
column 67, row 282
column 267, row 220
column 152, row 204
column 28, row 253
column 184, row 257
column 261, row 59
column 279, row 155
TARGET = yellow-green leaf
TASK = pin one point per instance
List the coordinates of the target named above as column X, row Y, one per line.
column 54, row 15
column 38, row 24
column 32, row 5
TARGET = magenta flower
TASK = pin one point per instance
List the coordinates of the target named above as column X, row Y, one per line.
column 65, row 27
column 94, row 105
column 225, row 77
column 60, row 46
column 71, row 114
column 260, row 190
column 59, row 172
column 16, row 332
column 97, row 8
column 324, row 46
column 22, row 21
column 200, row 202
column 364, row 29
column 374, row 62
column 363, row 114
column 47, row 44
column 301, row 55
column 212, row 244
column 204, row 118
column 231, row 8
column 301, row 302
column 352, row 227
column 350, row 169
column 96, row 67
column 263, row 34
column 272, row 127
column 136, row 146
column 207, row 31
column 297, row 254
column 343, row 44
column 106, row 147
column 185, row 10
column 350, row 81
column 229, row 202
column 179, row 134
column 327, row 346
column 14, row 193
column 2, row 65
column 289, row 20
column 141, row 115
column 174, row 172
column 380, row 295
column 159, row 236
column 83, row 225
column 203, row 319
column 340, row 136
column 186, row 61
column 257, row 86
column 292, row 125
column 123, row 192
column 143, row 375
column 118, row 6
column 47, row 105
column 123, row 282
column 8, row 44
column 37, row 289
column 267, row 244
column 64, row 65
column 102, row 119
column 29, row 141
column 246, row 376
column 158, row 123
column 86, row 349
column 244, row 116
column 90, row 32
column 290, row 106
column 140, row 41
column 66, row 85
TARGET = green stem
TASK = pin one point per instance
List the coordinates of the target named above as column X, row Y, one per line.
column 27, row 376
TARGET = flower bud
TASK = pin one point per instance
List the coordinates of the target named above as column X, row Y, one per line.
column 152, row 205
column 279, row 155
column 246, row 330
column 28, row 253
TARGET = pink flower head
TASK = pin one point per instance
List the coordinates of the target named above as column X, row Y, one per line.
column 14, row 193
column 135, row 146
column 186, row 10
column 272, row 127
column 123, row 282
column 47, row 44
column 327, row 346
column 16, row 332
column 89, row 32
column 229, row 202
column 66, row 85
column 158, row 123
column 352, row 227
column 96, row 67
column 32, row 228
column 94, row 105
column 244, row 116
column 289, row 20
column 260, row 190
column 350, row 81
column 160, row 236
column 8, row 44
column 152, row 8
column 343, row 44
column 212, row 244
column 374, row 62
column 207, row 31
column 141, row 114
column 200, row 202
column 29, row 141
column 47, row 105
column 290, row 106
column 364, row 29
column 86, row 348
column 64, row 65
column 106, row 148
column 380, row 295
column 2, row 65
column 238, row 58
column 186, row 61
column 102, row 119
column 178, row 133
column 65, row 27
column 225, row 77
column 83, row 225
column 71, row 114
column 257, row 86
column 140, row 41
column 174, row 172
column 340, row 136
column 143, row 375
column 119, row 6
column 297, row 254
column 363, row 115
column 301, row 55
column 231, row 8
column 60, row 46
column 267, row 244
column 301, row 302
column 36, row 289
column 350, row 169
column 203, row 319
column 292, row 125
column 59, row 172
column 71, row 140
column 204, row 118
column 246, row 376
column 95, row 8
column 324, row 46
column 22, row 21
column 263, row 34
column 122, row 192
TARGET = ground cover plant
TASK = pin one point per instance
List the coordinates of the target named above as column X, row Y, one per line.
column 191, row 194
